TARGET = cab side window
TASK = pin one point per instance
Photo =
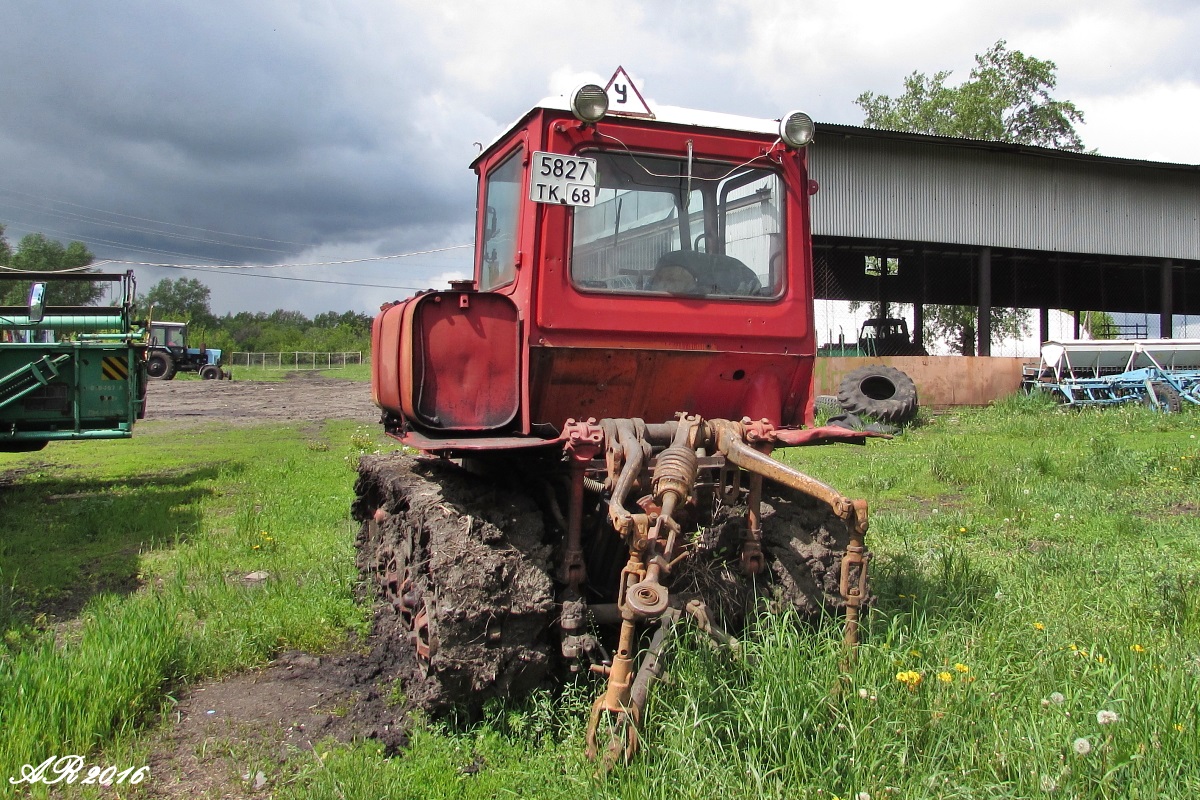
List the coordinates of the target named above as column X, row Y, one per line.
column 502, row 198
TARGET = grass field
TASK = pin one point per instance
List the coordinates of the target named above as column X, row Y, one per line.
column 350, row 372
column 1037, row 630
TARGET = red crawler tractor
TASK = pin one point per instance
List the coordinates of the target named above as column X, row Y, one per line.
column 604, row 395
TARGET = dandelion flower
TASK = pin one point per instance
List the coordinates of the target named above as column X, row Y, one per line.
column 1105, row 717
column 1058, row 516
column 1048, row 784
column 1039, row 626
column 1057, row 698
column 962, row 530
column 1137, row 648
column 862, row 796
column 1178, row 727
column 1081, row 746
column 910, row 678
column 963, row 668
column 945, row 677
column 863, row 693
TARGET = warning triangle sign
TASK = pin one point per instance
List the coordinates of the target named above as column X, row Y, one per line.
column 624, row 97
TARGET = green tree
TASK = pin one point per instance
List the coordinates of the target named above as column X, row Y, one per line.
column 36, row 252
column 5, row 249
column 182, row 300
column 1006, row 98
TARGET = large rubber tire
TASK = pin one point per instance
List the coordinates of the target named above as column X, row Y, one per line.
column 1167, row 396
column 885, row 393
column 160, row 367
column 460, row 571
column 210, row 372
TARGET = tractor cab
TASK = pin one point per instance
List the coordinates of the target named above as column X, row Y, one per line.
column 170, row 335
column 629, row 264
column 888, row 336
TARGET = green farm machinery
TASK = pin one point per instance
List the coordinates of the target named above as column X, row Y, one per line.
column 70, row 372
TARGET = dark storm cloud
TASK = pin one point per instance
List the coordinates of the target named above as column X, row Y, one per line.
column 263, row 119
column 184, row 131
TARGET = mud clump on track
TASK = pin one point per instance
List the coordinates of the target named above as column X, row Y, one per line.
column 460, row 571
column 803, row 542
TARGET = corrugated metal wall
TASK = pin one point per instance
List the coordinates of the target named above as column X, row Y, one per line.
column 937, row 192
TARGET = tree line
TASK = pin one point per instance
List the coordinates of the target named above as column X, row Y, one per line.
column 182, row 300
column 187, row 300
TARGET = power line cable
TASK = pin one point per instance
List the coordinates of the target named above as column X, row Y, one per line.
column 224, row 267
column 286, row 277
column 148, row 219
column 88, row 240
column 70, row 216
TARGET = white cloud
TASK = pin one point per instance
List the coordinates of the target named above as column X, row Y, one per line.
column 1156, row 122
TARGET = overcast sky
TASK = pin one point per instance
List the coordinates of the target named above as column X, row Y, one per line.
column 220, row 132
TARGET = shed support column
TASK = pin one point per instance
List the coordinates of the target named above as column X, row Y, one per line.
column 1043, row 325
column 918, row 333
column 1165, row 320
column 985, row 301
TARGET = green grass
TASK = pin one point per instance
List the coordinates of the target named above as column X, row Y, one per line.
column 185, row 514
column 1033, row 568
column 351, row 372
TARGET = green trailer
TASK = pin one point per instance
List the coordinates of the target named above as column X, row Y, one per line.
column 70, row 372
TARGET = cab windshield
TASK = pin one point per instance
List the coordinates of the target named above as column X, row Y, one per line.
column 662, row 227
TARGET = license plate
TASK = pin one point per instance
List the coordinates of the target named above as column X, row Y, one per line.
column 563, row 180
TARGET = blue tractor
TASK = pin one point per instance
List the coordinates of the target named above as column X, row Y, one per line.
column 169, row 354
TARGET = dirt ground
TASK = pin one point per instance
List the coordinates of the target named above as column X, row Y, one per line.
column 304, row 396
column 241, row 736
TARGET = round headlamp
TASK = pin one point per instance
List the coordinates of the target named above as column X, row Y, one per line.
column 797, row 129
column 589, row 103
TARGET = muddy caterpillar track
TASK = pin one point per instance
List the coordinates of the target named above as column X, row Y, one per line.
column 461, row 573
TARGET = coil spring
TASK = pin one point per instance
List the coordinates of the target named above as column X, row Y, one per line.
column 675, row 472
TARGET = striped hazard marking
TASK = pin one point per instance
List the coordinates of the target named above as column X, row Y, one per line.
column 114, row 368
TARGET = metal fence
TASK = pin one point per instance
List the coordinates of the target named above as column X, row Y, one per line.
column 297, row 359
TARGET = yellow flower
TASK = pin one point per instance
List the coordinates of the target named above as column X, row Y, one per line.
column 915, row 653
column 1137, row 648
column 255, row 547
column 1039, row 626
column 963, row 668
column 945, row 677
column 1099, row 658
column 1178, row 727
column 962, row 530
column 910, row 678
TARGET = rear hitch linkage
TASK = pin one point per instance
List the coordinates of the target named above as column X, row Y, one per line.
column 669, row 458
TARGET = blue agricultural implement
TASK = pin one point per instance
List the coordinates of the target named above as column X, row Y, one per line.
column 1160, row 373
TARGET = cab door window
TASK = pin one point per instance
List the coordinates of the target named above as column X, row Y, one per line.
column 501, row 223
